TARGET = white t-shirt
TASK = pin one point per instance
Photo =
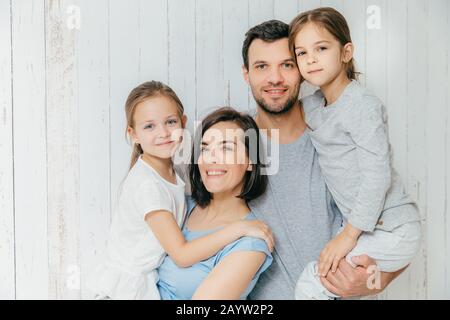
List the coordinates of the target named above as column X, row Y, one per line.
column 134, row 253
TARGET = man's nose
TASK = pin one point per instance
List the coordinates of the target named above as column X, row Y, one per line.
column 275, row 76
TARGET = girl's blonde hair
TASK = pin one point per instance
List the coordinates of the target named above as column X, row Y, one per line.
column 333, row 22
column 140, row 94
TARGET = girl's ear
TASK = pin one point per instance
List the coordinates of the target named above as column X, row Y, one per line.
column 250, row 166
column 132, row 135
column 347, row 52
column 183, row 121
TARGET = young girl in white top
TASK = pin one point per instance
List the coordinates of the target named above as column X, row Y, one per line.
column 348, row 128
column 151, row 205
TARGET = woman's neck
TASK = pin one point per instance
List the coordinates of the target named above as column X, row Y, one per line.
column 228, row 206
column 333, row 90
column 164, row 167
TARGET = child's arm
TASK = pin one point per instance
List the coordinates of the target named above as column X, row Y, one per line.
column 367, row 127
column 185, row 253
column 337, row 249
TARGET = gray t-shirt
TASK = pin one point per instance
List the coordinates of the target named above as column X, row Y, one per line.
column 302, row 215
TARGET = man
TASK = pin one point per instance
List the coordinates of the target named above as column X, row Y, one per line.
column 297, row 205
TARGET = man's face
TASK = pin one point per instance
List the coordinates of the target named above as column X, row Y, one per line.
column 272, row 75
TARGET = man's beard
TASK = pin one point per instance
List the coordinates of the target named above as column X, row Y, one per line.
column 282, row 109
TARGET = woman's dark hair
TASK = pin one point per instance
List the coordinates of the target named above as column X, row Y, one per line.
column 255, row 182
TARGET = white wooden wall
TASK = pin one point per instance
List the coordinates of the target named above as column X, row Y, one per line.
column 62, row 92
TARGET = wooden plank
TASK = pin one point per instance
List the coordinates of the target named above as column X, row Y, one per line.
column 30, row 157
column 260, row 11
column 62, row 152
column 124, row 76
column 285, row 10
column 447, row 161
column 336, row 4
column 92, row 50
column 376, row 60
column 416, row 126
column 7, row 258
column 153, row 40
column 235, row 25
column 182, row 55
column 305, row 5
column 209, row 59
column 434, row 113
column 354, row 12
column 396, row 105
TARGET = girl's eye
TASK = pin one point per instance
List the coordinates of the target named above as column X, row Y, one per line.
column 322, row 48
column 172, row 121
column 227, row 148
column 150, row 126
column 300, row 53
column 203, row 150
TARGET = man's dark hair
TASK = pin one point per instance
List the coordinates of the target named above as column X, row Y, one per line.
column 268, row 31
column 255, row 182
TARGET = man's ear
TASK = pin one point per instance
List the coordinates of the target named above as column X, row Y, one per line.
column 245, row 74
column 347, row 52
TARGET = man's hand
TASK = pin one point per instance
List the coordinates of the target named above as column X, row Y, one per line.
column 354, row 282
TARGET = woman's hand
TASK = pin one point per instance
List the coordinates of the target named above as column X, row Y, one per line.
column 255, row 229
column 337, row 249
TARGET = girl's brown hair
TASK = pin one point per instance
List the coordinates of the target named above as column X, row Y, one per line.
column 334, row 22
column 140, row 94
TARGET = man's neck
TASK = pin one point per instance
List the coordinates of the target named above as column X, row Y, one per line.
column 290, row 125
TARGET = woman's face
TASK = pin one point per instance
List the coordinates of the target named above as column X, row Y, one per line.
column 223, row 159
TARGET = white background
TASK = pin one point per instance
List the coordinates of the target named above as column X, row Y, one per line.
column 62, row 92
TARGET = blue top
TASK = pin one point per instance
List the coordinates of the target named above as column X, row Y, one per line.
column 177, row 283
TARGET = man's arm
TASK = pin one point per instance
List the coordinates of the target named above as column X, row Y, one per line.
column 349, row 282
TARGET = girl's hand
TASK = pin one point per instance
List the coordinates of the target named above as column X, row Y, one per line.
column 334, row 251
column 255, row 229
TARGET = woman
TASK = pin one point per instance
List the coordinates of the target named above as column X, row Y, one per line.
column 225, row 175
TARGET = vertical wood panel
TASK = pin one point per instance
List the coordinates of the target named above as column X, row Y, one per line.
column 7, row 267
column 355, row 13
column 182, row 55
column 447, row 161
column 92, row 52
column 285, row 10
column 209, row 57
column 260, row 11
column 62, row 153
column 396, row 105
column 305, row 5
column 416, row 145
column 376, row 58
column 153, row 40
column 436, row 110
column 235, row 25
column 30, row 157
column 124, row 76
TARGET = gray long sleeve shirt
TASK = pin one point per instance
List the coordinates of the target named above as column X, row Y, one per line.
column 351, row 138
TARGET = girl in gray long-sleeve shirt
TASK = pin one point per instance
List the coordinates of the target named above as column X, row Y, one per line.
column 349, row 130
